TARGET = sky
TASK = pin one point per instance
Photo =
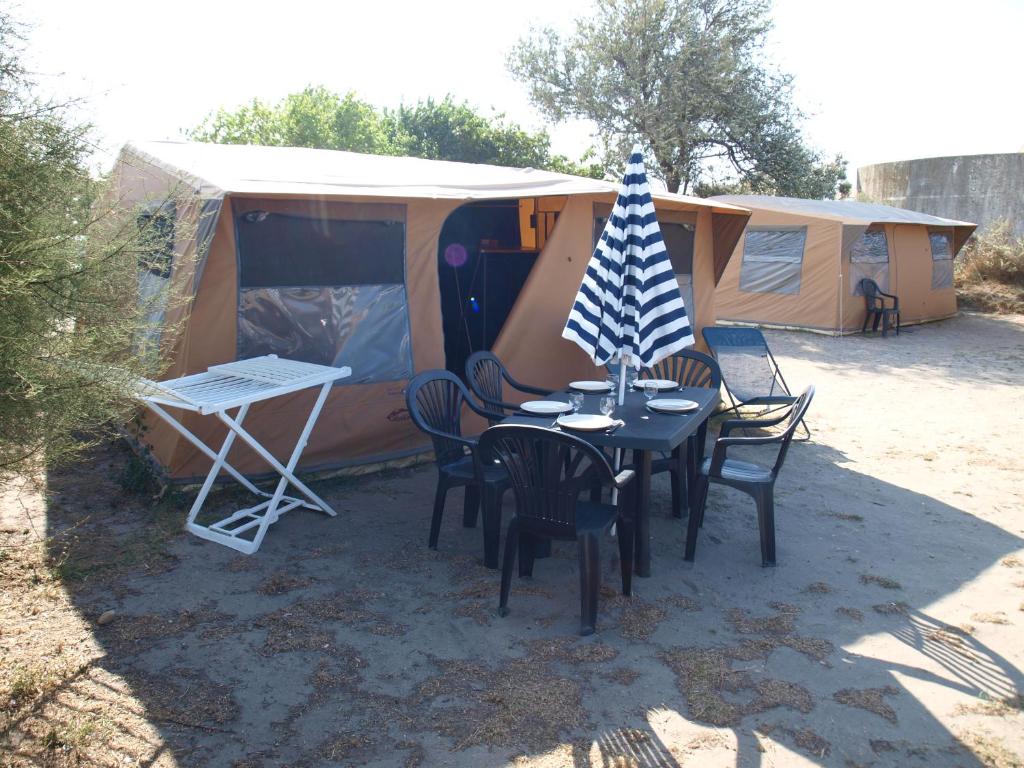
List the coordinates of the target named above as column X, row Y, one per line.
column 879, row 80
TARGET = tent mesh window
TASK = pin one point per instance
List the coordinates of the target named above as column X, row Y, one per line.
column 942, row 259
column 869, row 257
column 327, row 291
column 156, row 224
column 772, row 260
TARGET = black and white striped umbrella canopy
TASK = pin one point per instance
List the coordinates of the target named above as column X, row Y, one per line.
column 629, row 307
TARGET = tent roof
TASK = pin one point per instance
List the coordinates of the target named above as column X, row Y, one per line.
column 846, row 211
column 219, row 169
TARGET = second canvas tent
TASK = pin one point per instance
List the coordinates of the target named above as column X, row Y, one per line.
column 800, row 263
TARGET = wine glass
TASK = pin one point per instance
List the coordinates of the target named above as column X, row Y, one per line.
column 576, row 400
column 650, row 389
column 607, row 405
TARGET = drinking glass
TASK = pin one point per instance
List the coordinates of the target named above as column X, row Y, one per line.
column 613, row 380
column 576, row 400
column 650, row 389
column 607, row 405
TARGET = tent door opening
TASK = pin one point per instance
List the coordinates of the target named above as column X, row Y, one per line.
column 486, row 251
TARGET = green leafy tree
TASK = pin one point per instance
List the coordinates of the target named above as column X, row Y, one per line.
column 314, row 117
column 437, row 130
column 686, row 78
column 70, row 321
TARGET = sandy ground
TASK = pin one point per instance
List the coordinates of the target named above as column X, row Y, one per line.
column 890, row 633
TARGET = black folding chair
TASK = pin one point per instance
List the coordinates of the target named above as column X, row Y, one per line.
column 549, row 470
column 749, row 371
column 876, row 309
column 487, row 375
column 435, row 400
column 753, row 479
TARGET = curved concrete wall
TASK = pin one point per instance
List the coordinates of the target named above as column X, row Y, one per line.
column 975, row 188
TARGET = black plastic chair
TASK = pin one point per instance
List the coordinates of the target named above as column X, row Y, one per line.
column 435, row 400
column 874, row 300
column 750, row 373
column 549, row 470
column 487, row 375
column 691, row 369
column 753, row 479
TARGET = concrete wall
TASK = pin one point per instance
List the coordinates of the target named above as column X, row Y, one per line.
column 976, row 188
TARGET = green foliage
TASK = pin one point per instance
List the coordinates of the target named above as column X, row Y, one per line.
column 437, row 130
column 686, row 78
column 69, row 312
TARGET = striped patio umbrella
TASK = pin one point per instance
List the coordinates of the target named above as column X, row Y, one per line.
column 629, row 310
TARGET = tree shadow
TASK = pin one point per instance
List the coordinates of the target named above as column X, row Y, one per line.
column 323, row 648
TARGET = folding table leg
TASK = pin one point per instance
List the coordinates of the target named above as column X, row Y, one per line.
column 642, row 529
column 218, row 462
column 293, row 460
column 286, row 472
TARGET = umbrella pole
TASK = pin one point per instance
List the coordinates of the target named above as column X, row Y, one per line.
column 622, row 400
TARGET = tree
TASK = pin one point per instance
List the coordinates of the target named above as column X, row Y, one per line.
column 686, row 78
column 437, row 130
column 69, row 313
column 314, row 117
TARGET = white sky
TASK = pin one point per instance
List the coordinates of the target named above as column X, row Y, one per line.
column 882, row 80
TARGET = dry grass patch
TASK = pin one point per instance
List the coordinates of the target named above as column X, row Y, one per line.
column 683, row 602
column 639, row 619
column 810, row 742
column 990, row 618
column 850, row 613
column 128, row 634
column 280, row 583
column 704, row 675
column 869, row 699
column 517, row 703
column 1012, row 561
column 1004, row 707
column 308, row 625
column 881, row 581
column 624, row 676
column 184, row 697
column 570, row 650
column 891, row 609
column 989, row 750
column 818, row 588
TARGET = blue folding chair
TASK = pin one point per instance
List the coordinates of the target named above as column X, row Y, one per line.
column 750, row 373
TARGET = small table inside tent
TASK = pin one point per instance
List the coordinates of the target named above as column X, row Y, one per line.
column 239, row 385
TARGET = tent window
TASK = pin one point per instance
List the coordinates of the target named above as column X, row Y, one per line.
column 156, row 257
column 679, row 239
column 327, row 291
column 869, row 257
column 772, row 260
column 942, row 260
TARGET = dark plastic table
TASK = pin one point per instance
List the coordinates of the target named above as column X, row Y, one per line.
column 643, row 432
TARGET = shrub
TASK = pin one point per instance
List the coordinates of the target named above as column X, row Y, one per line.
column 994, row 255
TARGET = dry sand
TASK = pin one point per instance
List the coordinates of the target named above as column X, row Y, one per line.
column 889, row 634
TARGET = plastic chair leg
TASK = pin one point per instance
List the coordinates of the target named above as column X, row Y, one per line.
column 696, row 517
column 527, row 554
column 470, row 506
column 492, row 526
column 511, row 545
column 885, row 325
column 435, row 520
column 765, row 498
column 590, row 581
column 867, row 317
column 625, row 536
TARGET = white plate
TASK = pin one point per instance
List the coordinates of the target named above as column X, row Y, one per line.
column 590, row 386
column 545, row 407
column 673, row 406
column 586, row 422
column 662, row 384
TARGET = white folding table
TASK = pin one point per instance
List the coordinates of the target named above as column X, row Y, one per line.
column 239, row 385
